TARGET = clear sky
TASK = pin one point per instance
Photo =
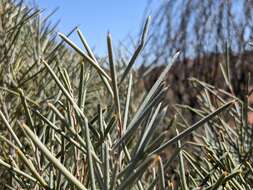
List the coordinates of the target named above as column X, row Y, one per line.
column 97, row 17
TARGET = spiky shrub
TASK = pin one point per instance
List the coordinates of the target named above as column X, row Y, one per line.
column 25, row 37
column 62, row 133
column 220, row 156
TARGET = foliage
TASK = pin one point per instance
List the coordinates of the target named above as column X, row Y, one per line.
column 69, row 122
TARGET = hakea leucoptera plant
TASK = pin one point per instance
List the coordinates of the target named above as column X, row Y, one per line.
column 68, row 123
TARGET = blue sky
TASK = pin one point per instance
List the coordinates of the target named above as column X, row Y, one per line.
column 97, row 17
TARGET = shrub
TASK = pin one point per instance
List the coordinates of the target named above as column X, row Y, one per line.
column 70, row 124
